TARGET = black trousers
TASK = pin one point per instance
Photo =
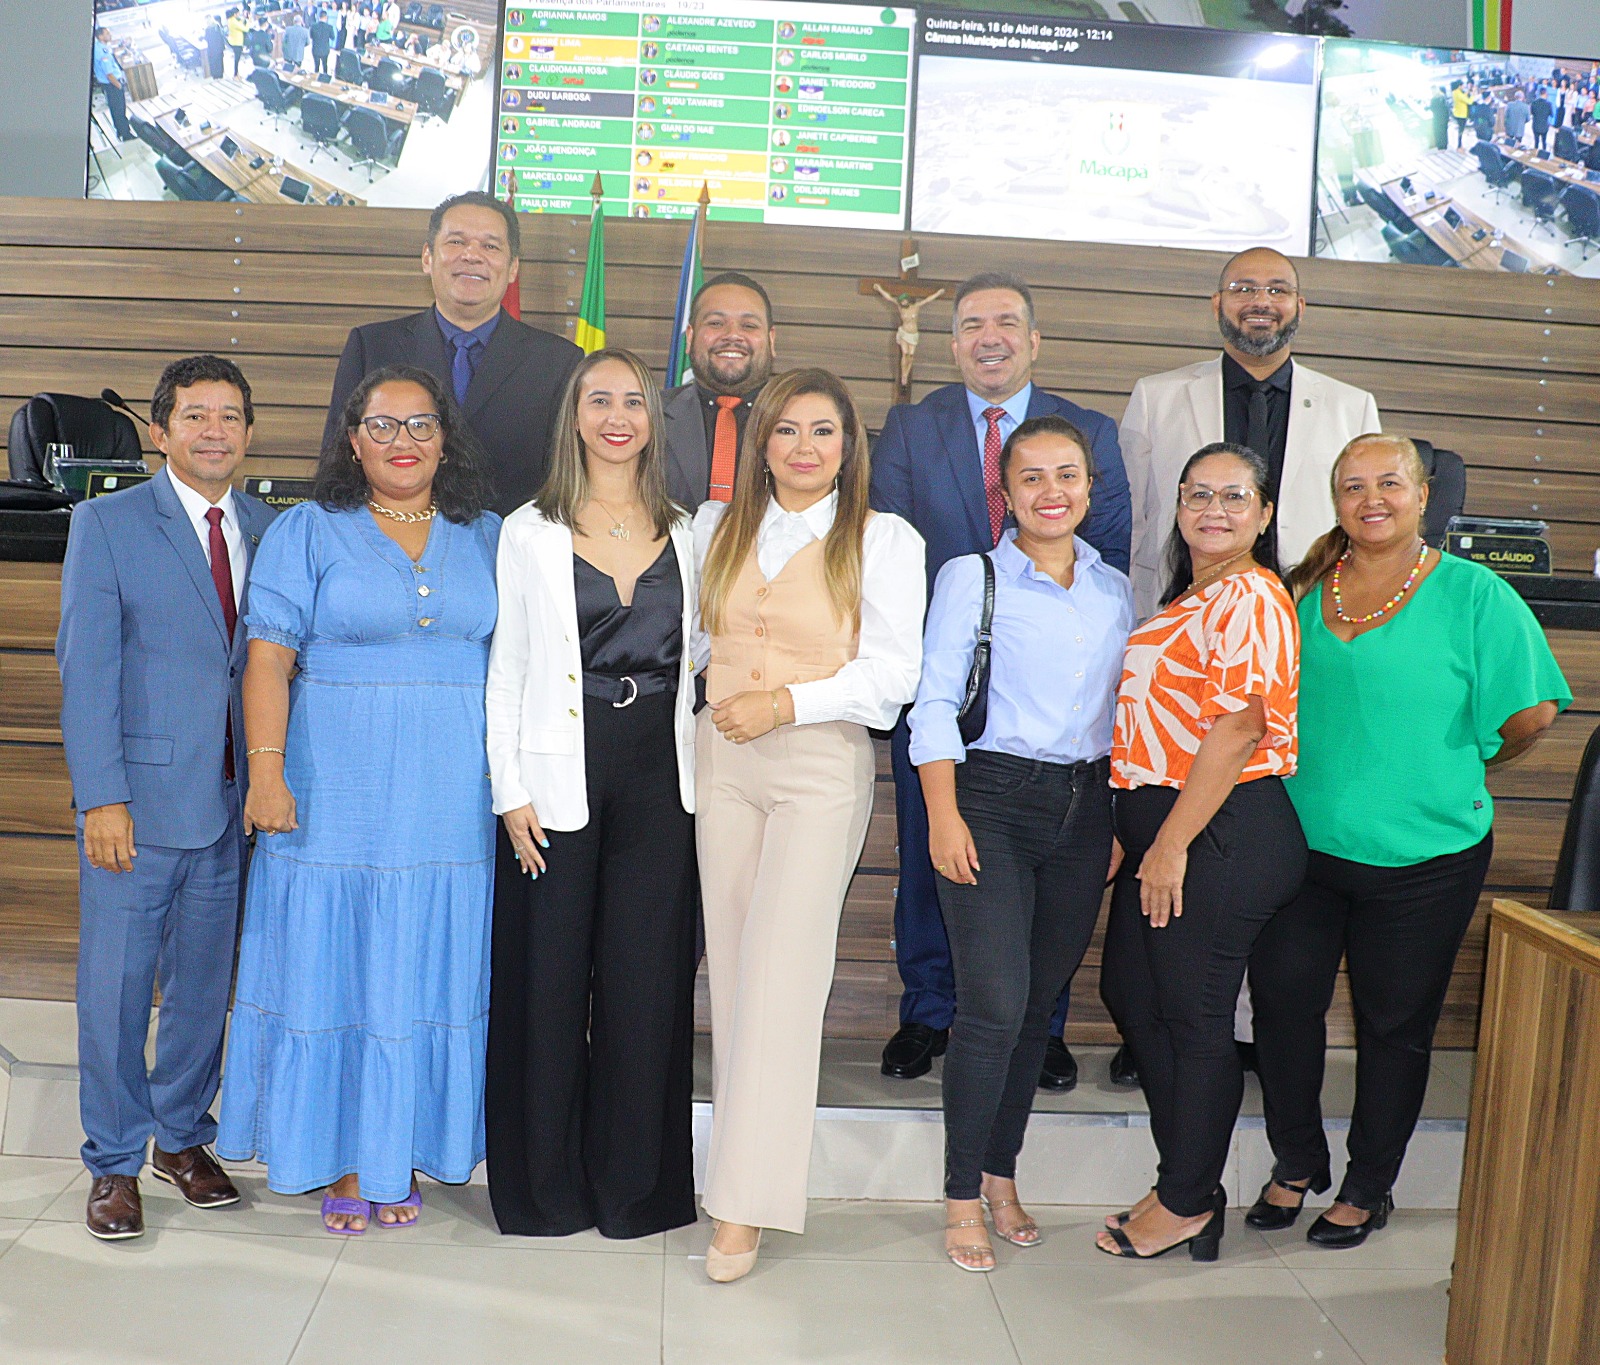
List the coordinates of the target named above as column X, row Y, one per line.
column 117, row 106
column 1400, row 929
column 1172, row 990
column 1043, row 836
column 591, row 1009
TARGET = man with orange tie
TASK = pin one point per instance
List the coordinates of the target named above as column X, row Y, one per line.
column 731, row 339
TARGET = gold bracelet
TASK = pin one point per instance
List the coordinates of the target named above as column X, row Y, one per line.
column 264, row 749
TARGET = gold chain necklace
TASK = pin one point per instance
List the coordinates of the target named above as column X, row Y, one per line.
column 1215, row 571
column 406, row 518
column 619, row 525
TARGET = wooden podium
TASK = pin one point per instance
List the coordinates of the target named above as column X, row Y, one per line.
column 1527, row 1275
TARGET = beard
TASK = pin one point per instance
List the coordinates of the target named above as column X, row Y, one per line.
column 739, row 376
column 1258, row 343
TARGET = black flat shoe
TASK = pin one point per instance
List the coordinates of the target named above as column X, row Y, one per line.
column 1060, row 1069
column 1124, row 1070
column 1265, row 1216
column 1205, row 1245
column 911, row 1051
column 1337, row 1237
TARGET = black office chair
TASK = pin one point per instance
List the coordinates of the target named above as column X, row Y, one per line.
column 276, row 97
column 321, row 120
column 1499, row 171
column 1591, row 156
column 95, row 430
column 185, row 53
column 1577, row 881
column 432, row 95
column 348, row 68
column 159, row 142
column 374, row 138
column 1414, row 247
column 388, row 79
column 1385, row 207
column 1447, row 489
column 435, row 17
column 1482, row 119
column 1540, row 193
column 413, row 13
column 1566, row 144
column 1583, row 214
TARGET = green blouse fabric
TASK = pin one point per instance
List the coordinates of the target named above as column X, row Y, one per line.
column 1397, row 725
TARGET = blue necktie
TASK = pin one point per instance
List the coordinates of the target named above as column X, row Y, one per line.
column 464, row 363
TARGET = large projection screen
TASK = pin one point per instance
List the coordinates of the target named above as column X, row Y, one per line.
column 1125, row 133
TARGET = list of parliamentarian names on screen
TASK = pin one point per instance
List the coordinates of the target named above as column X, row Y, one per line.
column 788, row 113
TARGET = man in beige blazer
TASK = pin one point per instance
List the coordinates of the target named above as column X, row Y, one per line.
column 1253, row 393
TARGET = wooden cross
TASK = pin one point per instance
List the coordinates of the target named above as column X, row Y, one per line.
column 908, row 293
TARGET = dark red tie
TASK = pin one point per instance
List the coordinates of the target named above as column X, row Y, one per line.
column 991, row 472
column 222, row 576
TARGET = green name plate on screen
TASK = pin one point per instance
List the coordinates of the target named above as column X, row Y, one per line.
column 101, row 481
column 279, row 493
column 1503, row 554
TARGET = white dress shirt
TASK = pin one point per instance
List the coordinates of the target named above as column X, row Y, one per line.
column 872, row 687
column 196, row 506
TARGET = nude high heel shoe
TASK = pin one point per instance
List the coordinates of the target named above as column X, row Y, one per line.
column 724, row 1267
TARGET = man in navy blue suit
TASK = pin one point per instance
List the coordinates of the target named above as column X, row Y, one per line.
column 152, row 654
column 937, row 465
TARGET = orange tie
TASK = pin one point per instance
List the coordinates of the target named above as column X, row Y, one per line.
column 724, row 448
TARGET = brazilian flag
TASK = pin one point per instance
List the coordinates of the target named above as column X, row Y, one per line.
column 591, row 330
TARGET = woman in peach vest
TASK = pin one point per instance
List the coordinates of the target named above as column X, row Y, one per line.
column 811, row 613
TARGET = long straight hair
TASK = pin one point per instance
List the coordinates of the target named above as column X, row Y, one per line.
column 1328, row 549
column 566, row 486
column 1180, row 565
column 735, row 536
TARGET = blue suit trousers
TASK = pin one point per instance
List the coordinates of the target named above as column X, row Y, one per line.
column 175, row 918
column 921, row 947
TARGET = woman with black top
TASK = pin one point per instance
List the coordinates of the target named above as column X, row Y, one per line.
column 591, row 753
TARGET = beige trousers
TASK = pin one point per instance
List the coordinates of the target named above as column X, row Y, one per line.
column 779, row 824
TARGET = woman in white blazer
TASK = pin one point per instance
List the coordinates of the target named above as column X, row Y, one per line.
column 591, row 756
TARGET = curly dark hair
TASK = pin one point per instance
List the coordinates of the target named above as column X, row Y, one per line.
column 461, row 488
column 192, row 370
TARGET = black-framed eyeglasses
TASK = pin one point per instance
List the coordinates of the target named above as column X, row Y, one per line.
column 1240, row 290
column 1235, row 499
column 424, row 426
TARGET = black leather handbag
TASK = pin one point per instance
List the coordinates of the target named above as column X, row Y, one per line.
column 973, row 715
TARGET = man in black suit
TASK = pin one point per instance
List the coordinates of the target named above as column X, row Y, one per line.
column 507, row 376
column 730, row 351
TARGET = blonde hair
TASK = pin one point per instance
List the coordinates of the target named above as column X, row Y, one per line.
column 734, row 539
column 566, row 486
column 1327, row 550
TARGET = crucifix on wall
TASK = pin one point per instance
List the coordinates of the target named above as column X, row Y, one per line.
column 907, row 294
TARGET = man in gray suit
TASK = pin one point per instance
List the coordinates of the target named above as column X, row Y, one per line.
column 731, row 342
column 151, row 652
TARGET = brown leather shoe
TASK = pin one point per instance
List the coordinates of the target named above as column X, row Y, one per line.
column 115, row 1212
column 196, row 1174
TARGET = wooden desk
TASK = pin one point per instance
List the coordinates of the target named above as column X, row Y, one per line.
column 260, row 184
column 1564, row 173
column 1458, row 243
column 1527, row 1278
column 190, row 134
column 352, row 96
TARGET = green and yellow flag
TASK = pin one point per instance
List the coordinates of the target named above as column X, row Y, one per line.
column 591, row 330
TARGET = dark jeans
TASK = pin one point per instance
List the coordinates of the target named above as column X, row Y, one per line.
column 921, row 945
column 1400, row 929
column 238, row 56
column 1172, row 990
column 591, row 1004
column 117, row 104
column 1043, row 836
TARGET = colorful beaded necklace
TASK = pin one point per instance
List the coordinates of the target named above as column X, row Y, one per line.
column 1387, row 607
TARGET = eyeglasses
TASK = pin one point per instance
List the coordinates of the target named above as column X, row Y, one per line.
column 1235, row 500
column 1240, row 290
column 423, row 427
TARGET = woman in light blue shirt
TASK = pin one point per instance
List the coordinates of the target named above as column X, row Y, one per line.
column 1019, row 821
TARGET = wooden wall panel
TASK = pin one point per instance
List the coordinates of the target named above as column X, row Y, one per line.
column 1504, row 369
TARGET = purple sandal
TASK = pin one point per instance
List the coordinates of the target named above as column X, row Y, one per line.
column 348, row 1208
column 411, row 1201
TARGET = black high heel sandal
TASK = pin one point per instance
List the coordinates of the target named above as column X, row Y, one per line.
column 1205, row 1245
column 1338, row 1237
column 1265, row 1216
column 1116, row 1220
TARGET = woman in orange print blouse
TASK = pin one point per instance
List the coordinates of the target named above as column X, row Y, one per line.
column 1205, row 733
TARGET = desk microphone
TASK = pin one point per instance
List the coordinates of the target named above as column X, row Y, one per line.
column 114, row 398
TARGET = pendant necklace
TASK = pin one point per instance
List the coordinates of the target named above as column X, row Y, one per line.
column 1215, row 571
column 619, row 525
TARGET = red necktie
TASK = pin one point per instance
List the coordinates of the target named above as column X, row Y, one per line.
column 991, row 471
column 724, row 448
column 222, row 576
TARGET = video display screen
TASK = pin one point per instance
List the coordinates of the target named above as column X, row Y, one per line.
column 789, row 113
column 1472, row 160
column 1029, row 126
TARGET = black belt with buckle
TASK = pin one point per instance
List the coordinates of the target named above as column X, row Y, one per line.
column 626, row 690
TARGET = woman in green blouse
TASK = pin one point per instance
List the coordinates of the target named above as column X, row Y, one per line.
column 1417, row 670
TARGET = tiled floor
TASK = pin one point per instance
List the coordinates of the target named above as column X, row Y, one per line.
column 260, row 1283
